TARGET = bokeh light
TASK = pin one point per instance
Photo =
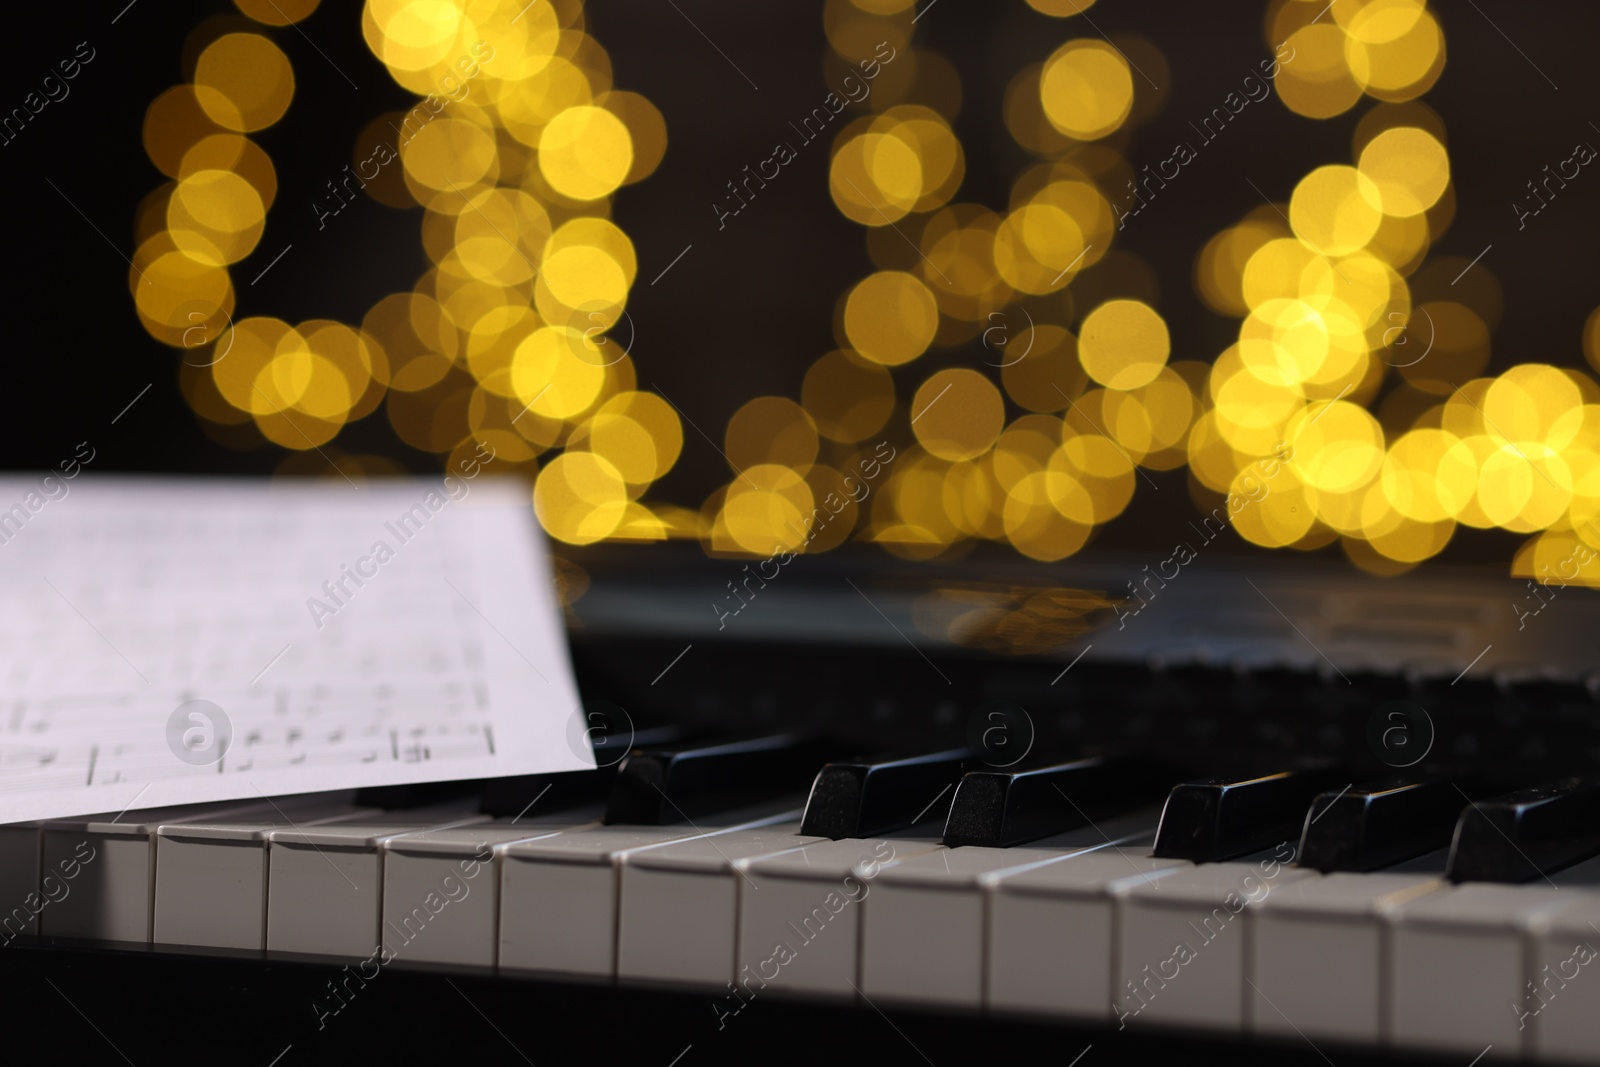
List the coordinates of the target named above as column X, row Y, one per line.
column 1001, row 372
column 515, row 338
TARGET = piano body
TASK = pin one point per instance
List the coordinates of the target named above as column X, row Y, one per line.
column 839, row 828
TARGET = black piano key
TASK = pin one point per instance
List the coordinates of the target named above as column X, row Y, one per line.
column 569, row 789
column 657, row 786
column 1002, row 808
column 408, row 795
column 1527, row 834
column 1219, row 818
column 1380, row 824
column 1546, row 695
column 545, row 792
column 866, row 798
column 1459, row 692
column 1375, row 687
column 1273, row 688
column 1195, row 682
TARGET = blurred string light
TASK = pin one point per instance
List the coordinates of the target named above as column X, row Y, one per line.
column 1363, row 354
column 1356, row 348
column 1042, row 445
column 514, row 151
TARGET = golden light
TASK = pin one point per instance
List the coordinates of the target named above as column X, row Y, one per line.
column 585, row 153
column 277, row 12
column 1338, row 447
column 516, row 333
column 215, row 216
column 1123, row 344
column 1334, row 210
column 243, row 82
column 1408, row 168
column 1318, row 83
column 1086, row 89
column 958, row 414
column 890, row 317
column 580, row 497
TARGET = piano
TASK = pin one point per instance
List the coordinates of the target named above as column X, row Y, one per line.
column 803, row 839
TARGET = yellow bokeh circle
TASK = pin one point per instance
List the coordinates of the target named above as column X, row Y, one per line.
column 890, row 317
column 580, row 497
column 1124, row 344
column 1086, row 89
column 585, row 153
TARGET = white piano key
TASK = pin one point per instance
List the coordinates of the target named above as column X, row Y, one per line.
column 441, row 891
column 946, row 890
column 21, row 889
column 211, row 877
column 112, row 896
column 800, row 914
column 678, row 904
column 943, row 891
column 1457, row 962
column 1181, row 943
column 1316, row 955
column 558, row 896
column 1051, row 948
column 1559, row 1002
column 325, row 884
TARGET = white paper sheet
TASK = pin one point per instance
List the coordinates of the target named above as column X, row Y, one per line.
column 123, row 599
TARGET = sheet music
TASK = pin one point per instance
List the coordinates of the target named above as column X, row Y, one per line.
column 173, row 641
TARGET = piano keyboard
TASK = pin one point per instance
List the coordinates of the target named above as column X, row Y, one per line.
column 1113, row 908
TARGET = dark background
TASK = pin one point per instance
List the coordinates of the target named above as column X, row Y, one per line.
column 748, row 308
